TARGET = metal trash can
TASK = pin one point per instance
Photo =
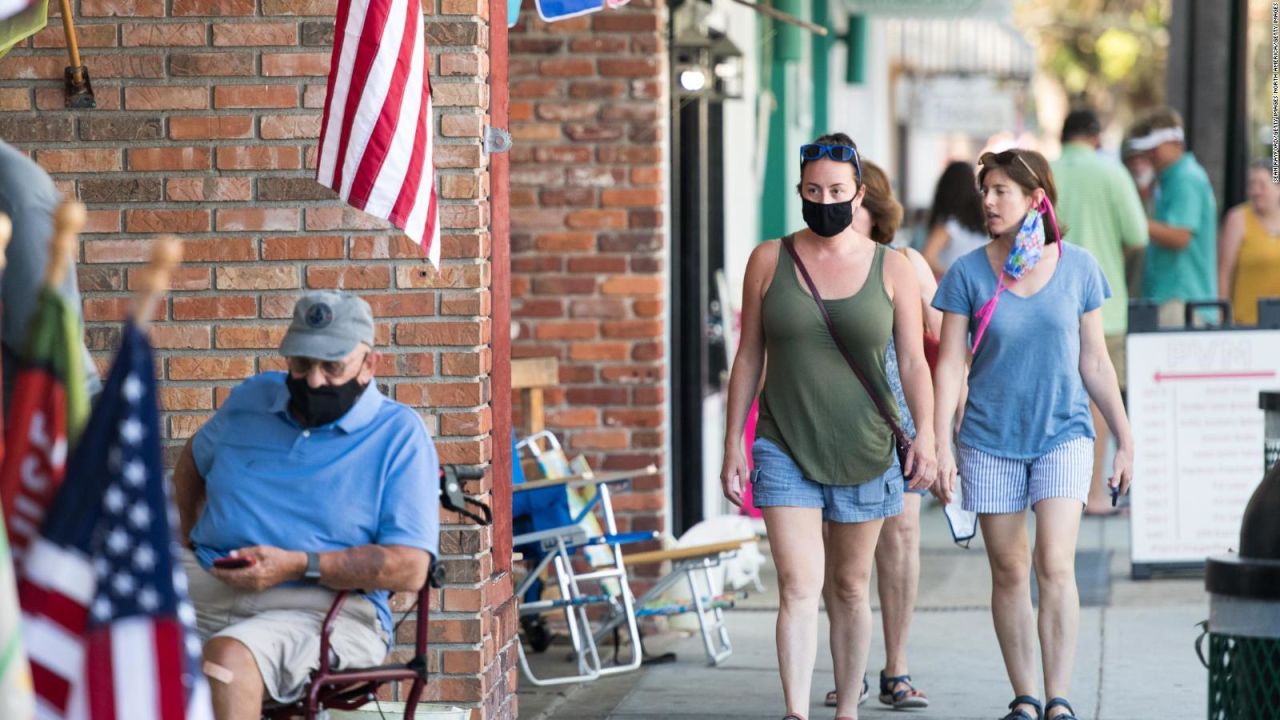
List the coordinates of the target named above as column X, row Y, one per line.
column 1244, row 602
column 1270, row 404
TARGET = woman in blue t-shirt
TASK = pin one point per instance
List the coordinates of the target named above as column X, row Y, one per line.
column 1032, row 306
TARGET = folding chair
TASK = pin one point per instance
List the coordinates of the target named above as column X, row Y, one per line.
column 330, row 689
column 539, row 510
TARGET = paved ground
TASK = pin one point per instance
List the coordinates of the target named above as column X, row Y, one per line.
column 1135, row 660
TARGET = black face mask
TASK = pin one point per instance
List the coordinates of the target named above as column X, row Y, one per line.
column 320, row 406
column 828, row 220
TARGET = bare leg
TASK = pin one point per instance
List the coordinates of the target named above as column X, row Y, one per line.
column 851, row 547
column 1057, row 528
column 898, row 576
column 1099, row 494
column 1005, row 536
column 795, row 539
column 234, row 681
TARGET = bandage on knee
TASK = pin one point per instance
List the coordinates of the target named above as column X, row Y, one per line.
column 217, row 672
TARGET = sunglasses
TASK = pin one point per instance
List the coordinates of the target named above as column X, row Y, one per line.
column 839, row 153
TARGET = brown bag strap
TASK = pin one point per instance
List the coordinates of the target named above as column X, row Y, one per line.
column 898, row 434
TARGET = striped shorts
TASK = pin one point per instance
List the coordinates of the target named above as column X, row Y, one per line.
column 993, row 484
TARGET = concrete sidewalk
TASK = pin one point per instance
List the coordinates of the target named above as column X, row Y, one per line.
column 1135, row 659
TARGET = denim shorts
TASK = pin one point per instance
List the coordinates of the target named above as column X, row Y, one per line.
column 776, row 481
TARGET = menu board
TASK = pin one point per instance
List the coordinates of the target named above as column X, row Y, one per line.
column 1198, row 434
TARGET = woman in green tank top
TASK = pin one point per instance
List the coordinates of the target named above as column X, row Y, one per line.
column 823, row 452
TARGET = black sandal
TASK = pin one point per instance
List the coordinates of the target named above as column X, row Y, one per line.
column 1070, row 714
column 1022, row 714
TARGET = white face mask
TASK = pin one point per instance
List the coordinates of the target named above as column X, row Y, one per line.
column 1144, row 178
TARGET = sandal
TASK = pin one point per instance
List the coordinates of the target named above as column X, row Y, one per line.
column 792, row 716
column 833, row 698
column 1070, row 714
column 1022, row 714
column 910, row 698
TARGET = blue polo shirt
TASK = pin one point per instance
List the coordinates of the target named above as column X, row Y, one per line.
column 1184, row 199
column 371, row 477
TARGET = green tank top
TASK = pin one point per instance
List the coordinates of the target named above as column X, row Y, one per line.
column 813, row 406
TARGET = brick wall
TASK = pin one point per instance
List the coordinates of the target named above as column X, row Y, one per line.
column 588, row 116
column 207, row 119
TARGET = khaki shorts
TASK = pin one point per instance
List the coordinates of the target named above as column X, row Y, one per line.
column 1115, row 348
column 281, row 627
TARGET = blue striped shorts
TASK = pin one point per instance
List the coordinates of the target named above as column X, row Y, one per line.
column 993, row 484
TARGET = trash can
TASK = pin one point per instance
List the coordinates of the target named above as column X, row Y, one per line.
column 1244, row 602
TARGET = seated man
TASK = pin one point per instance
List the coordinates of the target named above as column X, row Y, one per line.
column 321, row 483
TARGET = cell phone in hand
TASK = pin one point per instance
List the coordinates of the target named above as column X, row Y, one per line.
column 233, row 562
column 1115, row 495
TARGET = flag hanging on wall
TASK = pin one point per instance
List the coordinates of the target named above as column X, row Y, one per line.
column 377, row 132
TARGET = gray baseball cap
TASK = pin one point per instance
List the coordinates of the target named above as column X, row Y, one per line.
column 328, row 325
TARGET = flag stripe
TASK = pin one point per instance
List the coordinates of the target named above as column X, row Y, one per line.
column 169, row 643
column 378, row 149
column 133, row 646
column 376, row 145
column 375, row 20
column 101, row 676
column 60, row 570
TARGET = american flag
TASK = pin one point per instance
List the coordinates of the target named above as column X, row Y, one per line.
column 108, row 625
column 377, row 133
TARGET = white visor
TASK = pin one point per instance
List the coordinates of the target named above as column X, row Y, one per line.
column 1155, row 138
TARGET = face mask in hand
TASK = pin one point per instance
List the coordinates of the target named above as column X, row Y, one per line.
column 314, row 407
column 828, row 220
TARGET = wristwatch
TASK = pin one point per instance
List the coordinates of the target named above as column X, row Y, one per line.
column 313, row 567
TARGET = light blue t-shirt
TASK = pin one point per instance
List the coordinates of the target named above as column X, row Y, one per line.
column 1026, row 396
column 371, row 477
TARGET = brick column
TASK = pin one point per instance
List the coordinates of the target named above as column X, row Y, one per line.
column 206, row 126
column 589, row 275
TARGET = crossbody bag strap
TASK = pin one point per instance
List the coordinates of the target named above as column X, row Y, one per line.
column 844, row 351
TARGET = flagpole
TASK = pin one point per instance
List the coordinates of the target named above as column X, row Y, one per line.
column 68, row 220
column 166, row 253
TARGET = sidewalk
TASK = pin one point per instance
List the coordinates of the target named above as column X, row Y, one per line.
column 1135, row 658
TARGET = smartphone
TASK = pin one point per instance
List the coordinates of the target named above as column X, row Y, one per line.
column 233, row 563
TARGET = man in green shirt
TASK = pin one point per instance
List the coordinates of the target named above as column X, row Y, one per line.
column 1181, row 263
column 1100, row 207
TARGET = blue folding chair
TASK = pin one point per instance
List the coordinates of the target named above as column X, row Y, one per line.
column 550, row 531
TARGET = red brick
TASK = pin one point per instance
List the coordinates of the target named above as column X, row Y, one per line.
column 15, row 99
column 600, row 351
column 116, row 251
column 32, row 67
column 461, row 125
column 255, row 96
column 597, row 220
column 468, row 64
column 632, row 329
column 258, row 219
column 315, row 247
column 323, row 8
column 168, row 158
column 101, row 221
column 353, row 277
column 633, row 418
column 342, row 218
column 163, row 35
column 182, row 427
column 209, row 189
column 210, row 368
column 382, row 247
column 220, row 63
column 459, row 95
column 600, row 440
column 629, row 66
column 122, row 8
column 218, row 307
column 219, row 249
column 595, row 264
column 575, row 330
column 442, row 333
column 166, row 98
column 114, row 309
column 213, row 8
column 259, row 157
column 573, row 417
column 465, row 364
column 403, row 304
column 632, row 285
column 254, row 34
column 295, row 64
column 459, row 187
column 258, row 277
column 626, row 23
column 210, row 127
column 289, row 127
column 184, row 398
column 250, row 337
column 479, row 303
column 479, row 8
column 441, row 394
column 79, row 160
column 166, row 221
column 639, row 197
column 180, row 337
column 180, row 278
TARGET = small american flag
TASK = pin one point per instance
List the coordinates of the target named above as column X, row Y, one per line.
column 108, row 624
column 377, row 133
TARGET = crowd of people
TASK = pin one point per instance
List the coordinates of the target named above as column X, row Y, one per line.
column 991, row 363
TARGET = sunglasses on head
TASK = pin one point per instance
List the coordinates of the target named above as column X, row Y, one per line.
column 839, row 153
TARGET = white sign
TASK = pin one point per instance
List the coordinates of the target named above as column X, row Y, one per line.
column 1198, row 433
column 973, row 105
